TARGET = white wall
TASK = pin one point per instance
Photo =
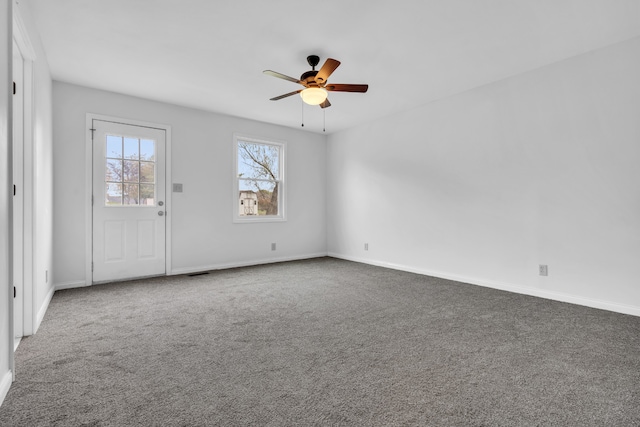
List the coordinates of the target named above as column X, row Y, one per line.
column 203, row 234
column 6, row 340
column 540, row 168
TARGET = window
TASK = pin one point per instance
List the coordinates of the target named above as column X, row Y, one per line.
column 130, row 172
column 259, row 180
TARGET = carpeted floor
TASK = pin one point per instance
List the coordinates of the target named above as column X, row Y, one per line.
column 322, row 342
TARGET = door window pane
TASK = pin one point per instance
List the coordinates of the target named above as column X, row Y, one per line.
column 147, row 172
column 130, row 196
column 113, row 194
column 131, row 171
column 114, row 146
column 147, row 149
column 147, row 194
column 114, row 170
column 131, row 148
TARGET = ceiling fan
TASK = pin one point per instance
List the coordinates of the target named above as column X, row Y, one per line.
column 315, row 83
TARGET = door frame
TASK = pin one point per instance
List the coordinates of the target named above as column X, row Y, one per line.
column 89, row 187
column 28, row 172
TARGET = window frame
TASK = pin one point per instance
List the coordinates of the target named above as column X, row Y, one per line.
column 282, row 189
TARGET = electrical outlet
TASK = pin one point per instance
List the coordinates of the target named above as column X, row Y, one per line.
column 543, row 269
column 177, row 188
column 46, row 276
column 366, row 246
column 273, row 246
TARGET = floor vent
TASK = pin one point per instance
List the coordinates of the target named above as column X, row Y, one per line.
column 198, row 274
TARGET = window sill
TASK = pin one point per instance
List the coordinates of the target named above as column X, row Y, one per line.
column 258, row 219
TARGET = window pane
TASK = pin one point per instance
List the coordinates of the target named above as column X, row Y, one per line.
column 131, row 171
column 147, row 194
column 114, row 146
column 260, row 161
column 147, row 172
column 131, row 149
column 258, row 197
column 248, row 204
column 130, row 196
column 113, row 194
column 147, row 149
column 274, row 152
column 113, row 170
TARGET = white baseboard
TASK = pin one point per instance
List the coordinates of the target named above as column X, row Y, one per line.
column 197, row 269
column 556, row 296
column 5, row 384
column 188, row 270
column 70, row 285
column 43, row 308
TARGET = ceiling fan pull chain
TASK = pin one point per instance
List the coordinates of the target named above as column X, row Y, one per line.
column 324, row 120
column 302, row 111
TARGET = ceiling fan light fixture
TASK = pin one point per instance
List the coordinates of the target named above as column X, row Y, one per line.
column 314, row 95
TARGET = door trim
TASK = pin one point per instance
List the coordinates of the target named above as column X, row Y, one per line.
column 89, row 187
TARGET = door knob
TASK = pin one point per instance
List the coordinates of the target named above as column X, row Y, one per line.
column 160, row 203
column 161, row 213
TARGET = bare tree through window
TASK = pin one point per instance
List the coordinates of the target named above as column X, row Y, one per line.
column 259, row 174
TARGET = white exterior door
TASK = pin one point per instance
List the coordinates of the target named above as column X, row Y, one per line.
column 129, row 209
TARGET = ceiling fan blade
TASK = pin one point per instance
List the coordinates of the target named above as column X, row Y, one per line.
column 285, row 95
column 325, row 104
column 328, row 67
column 281, row 76
column 340, row 87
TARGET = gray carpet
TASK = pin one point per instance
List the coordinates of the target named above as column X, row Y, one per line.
column 322, row 342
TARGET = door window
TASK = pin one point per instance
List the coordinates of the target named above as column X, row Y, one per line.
column 130, row 171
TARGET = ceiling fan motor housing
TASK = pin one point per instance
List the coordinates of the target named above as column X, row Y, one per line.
column 309, row 77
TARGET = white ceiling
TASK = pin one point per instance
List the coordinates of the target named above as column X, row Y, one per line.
column 210, row 54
